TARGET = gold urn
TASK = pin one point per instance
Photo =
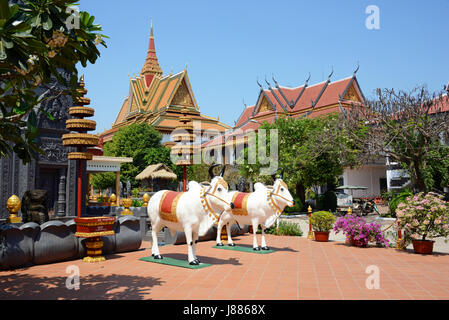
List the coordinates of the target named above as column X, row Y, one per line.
column 145, row 198
column 127, row 203
column 13, row 206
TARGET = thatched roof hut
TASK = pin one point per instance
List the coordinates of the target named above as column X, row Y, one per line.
column 157, row 171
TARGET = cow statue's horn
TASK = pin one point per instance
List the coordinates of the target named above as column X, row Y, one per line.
column 223, row 171
column 211, row 172
column 281, row 176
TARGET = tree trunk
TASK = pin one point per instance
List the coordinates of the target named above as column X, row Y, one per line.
column 419, row 180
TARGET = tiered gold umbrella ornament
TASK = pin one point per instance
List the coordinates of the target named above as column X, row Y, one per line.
column 92, row 228
column 184, row 150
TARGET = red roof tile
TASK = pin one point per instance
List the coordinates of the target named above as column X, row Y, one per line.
column 246, row 114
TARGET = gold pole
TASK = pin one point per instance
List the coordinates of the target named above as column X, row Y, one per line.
column 310, row 235
column 347, row 238
column 117, row 186
column 400, row 242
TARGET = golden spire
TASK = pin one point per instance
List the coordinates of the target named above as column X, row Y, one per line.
column 151, row 66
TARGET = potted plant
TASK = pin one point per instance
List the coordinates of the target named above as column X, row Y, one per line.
column 424, row 216
column 322, row 222
column 358, row 232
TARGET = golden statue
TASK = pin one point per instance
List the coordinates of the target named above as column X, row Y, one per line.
column 13, row 205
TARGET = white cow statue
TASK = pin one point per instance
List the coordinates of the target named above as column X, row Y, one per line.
column 193, row 212
column 261, row 207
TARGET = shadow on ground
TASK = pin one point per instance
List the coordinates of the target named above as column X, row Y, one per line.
column 270, row 247
column 92, row 287
column 204, row 259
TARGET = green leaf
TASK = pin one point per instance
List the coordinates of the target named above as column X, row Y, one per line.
column 47, row 24
column 47, row 114
column 32, row 120
column 3, row 55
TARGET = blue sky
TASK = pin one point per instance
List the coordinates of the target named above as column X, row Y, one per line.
column 227, row 45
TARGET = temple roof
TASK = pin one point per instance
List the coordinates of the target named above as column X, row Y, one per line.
column 158, row 99
column 312, row 101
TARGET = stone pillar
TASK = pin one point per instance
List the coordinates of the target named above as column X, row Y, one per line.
column 62, row 193
column 71, row 187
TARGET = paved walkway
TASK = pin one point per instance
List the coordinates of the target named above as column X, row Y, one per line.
column 299, row 269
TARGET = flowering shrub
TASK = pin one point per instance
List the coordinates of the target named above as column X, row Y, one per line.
column 356, row 228
column 424, row 216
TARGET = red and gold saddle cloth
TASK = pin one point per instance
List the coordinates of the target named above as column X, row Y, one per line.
column 168, row 204
column 239, row 199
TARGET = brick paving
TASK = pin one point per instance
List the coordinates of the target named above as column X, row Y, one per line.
column 299, row 269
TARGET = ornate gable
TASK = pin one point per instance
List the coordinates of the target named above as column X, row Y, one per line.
column 182, row 96
column 264, row 105
column 351, row 94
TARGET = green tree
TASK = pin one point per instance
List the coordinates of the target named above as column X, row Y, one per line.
column 408, row 126
column 37, row 39
column 103, row 180
column 311, row 152
column 141, row 142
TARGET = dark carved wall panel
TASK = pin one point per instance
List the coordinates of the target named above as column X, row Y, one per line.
column 16, row 178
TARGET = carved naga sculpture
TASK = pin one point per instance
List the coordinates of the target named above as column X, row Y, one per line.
column 193, row 212
column 261, row 207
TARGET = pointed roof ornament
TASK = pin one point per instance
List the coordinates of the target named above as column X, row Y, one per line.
column 151, row 66
column 330, row 75
column 314, row 103
column 269, row 86
column 261, row 88
column 306, row 84
column 357, row 69
column 288, row 103
column 82, row 84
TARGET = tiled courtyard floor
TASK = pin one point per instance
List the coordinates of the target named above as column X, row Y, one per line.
column 299, row 269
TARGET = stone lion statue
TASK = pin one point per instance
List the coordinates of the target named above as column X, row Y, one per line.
column 34, row 206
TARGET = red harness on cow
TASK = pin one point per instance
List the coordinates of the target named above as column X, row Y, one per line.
column 168, row 204
column 240, row 200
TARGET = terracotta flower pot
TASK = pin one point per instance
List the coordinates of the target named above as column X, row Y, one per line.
column 357, row 243
column 321, row 236
column 423, row 246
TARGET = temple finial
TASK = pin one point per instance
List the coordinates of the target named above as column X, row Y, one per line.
column 151, row 65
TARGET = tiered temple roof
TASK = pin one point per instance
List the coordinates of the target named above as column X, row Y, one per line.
column 158, row 100
column 304, row 101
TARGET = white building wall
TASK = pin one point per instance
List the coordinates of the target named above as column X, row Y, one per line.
column 367, row 176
